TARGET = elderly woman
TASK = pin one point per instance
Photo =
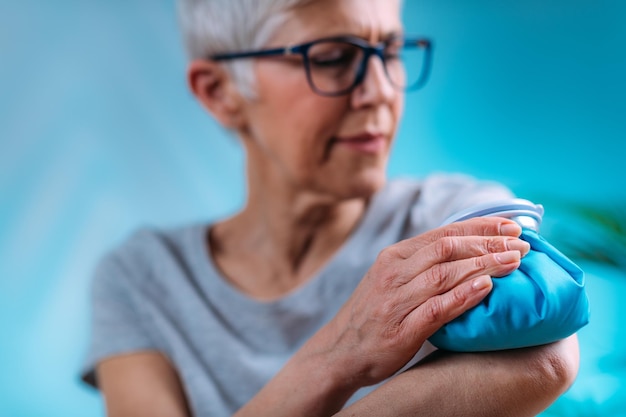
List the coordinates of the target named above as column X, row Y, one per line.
column 318, row 297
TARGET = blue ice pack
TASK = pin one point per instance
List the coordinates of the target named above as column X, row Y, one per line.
column 544, row 300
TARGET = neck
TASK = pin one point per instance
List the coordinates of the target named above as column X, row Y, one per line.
column 277, row 243
column 301, row 226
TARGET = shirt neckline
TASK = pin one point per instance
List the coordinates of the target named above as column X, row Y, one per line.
column 219, row 286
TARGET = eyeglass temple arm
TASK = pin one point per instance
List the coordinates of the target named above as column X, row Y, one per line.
column 252, row 54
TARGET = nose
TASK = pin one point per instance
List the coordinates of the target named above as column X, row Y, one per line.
column 375, row 87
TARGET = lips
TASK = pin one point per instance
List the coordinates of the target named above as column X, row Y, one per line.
column 364, row 142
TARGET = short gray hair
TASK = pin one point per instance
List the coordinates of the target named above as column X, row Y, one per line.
column 216, row 26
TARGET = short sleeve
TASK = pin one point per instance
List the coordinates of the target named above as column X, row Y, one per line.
column 443, row 195
column 117, row 325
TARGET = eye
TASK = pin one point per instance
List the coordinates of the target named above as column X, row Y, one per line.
column 333, row 55
column 393, row 49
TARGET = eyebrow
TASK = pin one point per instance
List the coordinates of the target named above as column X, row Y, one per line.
column 385, row 37
column 393, row 34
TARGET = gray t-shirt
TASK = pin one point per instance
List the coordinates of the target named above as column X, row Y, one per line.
column 161, row 291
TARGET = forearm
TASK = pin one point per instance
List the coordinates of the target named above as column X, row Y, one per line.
column 519, row 382
column 314, row 382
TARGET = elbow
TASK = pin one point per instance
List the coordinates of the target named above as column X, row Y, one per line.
column 559, row 365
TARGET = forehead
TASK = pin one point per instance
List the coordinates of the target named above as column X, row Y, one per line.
column 369, row 19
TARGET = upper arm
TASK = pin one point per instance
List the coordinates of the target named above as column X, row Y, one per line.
column 141, row 384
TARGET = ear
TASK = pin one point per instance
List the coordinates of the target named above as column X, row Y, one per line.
column 214, row 88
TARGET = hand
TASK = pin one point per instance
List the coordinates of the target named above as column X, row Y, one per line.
column 414, row 288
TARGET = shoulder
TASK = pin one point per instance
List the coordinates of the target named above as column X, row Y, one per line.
column 438, row 196
column 454, row 192
column 146, row 243
column 141, row 257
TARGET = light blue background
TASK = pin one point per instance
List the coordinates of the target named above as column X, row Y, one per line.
column 98, row 135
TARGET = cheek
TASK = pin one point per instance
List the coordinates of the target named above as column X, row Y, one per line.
column 295, row 130
column 317, row 118
column 289, row 109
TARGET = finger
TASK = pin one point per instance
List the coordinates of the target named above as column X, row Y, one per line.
column 427, row 318
column 482, row 226
column 450, row 249
column 461, row 247
column 443, row 277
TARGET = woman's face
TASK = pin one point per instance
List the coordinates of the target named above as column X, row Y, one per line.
column 334, row 146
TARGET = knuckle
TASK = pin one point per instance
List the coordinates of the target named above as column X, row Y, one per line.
column 387, row 255
column 494, row 245
column 433, row 311
column 481, row 262
column 451, row 231
column 436, row 277
column 459, row 297
column 445, row 248
column 489, row 228
column 478, row 226
column 486, row 226
column 388, row 309
column 388, row 278
column 386, row 273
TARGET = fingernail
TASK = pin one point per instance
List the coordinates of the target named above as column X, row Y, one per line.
column 481, row 283
column 519, row 245
column 508, row 257
column 510, row 229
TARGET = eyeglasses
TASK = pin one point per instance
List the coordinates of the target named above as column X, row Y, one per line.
column 335, row 66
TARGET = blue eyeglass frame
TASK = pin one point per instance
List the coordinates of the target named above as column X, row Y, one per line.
column 368, row 51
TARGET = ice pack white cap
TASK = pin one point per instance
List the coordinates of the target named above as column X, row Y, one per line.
column 527, row 214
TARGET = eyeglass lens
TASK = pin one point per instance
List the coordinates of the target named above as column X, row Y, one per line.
column 334, row 65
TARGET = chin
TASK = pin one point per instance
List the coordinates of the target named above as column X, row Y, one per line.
column 361, row 186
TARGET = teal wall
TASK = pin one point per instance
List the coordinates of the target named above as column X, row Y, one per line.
column 98, row 135
column 531, row 93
